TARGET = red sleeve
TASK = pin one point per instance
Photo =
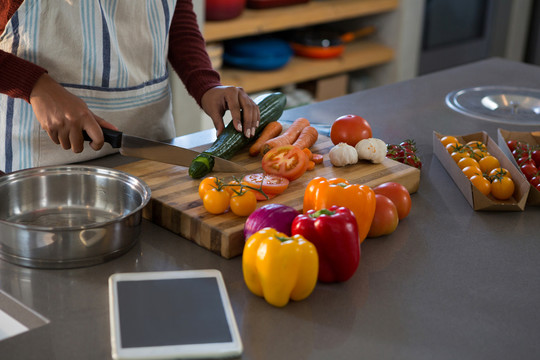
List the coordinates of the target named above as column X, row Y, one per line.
column 17, row 76
column 187, row 52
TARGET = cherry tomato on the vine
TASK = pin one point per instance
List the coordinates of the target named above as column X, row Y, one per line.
column 449, row 139
column 208, row 183
column 467, row 161
column 244, row 203
column 488, row 163
column 481, row 183
column 216, row 201
column 470, row 171
column 500, row 172
column 529, row 170
column 502, row 188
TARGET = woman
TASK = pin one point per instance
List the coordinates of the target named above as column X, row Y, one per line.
column 81, row 65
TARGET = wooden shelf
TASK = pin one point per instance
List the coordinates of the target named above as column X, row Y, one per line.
column 254, row 22
column 356, row 56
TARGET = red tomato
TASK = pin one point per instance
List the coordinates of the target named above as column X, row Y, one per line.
column 398, row 194
column 350, row 129
column 287, row 161
column 535, row 181
column 529, row 170
column 385, row 220
column 525, row 159
column 535, row 155
column 271, row 184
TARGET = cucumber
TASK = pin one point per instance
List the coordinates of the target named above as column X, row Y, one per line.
column 231, row 141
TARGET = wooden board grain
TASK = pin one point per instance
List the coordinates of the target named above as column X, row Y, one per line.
column 176, row 206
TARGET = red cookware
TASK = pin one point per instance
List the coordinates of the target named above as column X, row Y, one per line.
column 325, row 44
column 265, row 4
column 224, row 9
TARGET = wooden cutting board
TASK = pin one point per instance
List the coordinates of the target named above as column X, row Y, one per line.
column 175, row 202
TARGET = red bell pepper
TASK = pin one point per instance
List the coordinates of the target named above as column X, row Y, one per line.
column 334, row 232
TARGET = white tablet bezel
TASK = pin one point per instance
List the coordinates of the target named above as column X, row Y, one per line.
column 208, row 350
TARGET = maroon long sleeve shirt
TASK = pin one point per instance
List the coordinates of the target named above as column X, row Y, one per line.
column 187, row 55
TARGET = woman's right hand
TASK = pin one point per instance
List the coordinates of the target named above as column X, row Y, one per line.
column 64, row 116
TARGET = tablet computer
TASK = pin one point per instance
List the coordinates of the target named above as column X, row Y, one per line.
column 172, row 314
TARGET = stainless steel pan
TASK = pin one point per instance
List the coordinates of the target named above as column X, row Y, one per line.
column 69, row 216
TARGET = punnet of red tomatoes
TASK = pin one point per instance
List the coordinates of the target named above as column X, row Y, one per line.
column 480, row 167
column 405, row 152
column 527, row 157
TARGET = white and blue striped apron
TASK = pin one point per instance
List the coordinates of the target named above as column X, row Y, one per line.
column 110, row 53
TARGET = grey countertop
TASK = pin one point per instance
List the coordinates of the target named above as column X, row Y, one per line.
column 449, row 283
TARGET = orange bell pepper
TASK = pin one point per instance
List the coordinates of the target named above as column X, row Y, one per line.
column 360, row 199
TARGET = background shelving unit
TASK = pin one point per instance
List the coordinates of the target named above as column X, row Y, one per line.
column 387, row 56
column 357, row 55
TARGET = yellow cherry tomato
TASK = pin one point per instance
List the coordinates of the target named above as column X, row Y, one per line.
column 488, row 163
column 458, row 155
column 448, row 139
column 498, row 172
column 467, row 161
column 481, row 183
column 477, row 154
column 451, row 147
column 476, row 144
column 502, row 188
column 208, row 183
column 216, row 201
column 232, row 186
column 470, row 171
column 244, row 203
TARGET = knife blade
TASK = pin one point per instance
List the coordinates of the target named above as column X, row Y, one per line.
column 135, row 146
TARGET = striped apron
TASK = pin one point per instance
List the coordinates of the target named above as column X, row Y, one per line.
column 110, row 53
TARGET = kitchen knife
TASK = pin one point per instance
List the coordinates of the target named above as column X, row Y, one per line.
column 160, row 151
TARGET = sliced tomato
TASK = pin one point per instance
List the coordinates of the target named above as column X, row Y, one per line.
column 271, row 184
column 288, row 161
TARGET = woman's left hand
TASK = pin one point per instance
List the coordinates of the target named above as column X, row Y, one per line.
column 245, row 113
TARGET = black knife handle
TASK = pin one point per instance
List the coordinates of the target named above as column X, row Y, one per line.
column 112, row 137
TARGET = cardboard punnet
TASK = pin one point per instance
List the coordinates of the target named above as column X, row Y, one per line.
column 476, row 199
column 531, row 138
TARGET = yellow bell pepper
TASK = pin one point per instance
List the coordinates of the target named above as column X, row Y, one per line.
column 278, row 267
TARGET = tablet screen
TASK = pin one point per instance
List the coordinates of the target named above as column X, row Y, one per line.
column 164, row 312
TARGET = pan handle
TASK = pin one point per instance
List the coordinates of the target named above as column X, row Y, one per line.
column 112, row 137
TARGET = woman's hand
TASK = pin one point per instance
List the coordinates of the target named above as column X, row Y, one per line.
column 245, row 113
column 64, row 116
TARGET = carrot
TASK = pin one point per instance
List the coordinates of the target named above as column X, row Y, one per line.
column 270, row 131
column 308, row 153
column 308, row 137
column 317, row 158
column 311, row 165
column 288, row 137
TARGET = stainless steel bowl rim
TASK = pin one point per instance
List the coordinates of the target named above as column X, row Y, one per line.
column 79, row 169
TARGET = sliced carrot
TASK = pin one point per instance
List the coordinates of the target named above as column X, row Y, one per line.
column 270, row 131
column 308, row 153
column 307, row 138
column 288, row 137
column 317, row 158
column 311, row 165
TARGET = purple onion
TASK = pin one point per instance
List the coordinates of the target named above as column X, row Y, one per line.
column 277, row 216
